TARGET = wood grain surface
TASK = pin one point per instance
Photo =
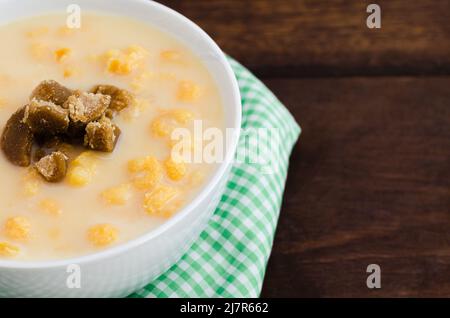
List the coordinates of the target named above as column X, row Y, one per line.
column 369, row 183
column 327, row 37
column 369, row 180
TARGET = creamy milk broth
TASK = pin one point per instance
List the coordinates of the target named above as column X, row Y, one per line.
column 64, row 235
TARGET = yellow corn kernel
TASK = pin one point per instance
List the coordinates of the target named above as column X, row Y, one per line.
column 170, row 55
column 86, row 158
column 117, row 195
column 79, row 176
column 149, row 172
column 160, row 127
column 69, row 72
column 118, row 67
column 17, row 228
column 37, row 32
column 143, row 164
column 126, row 61
column 102, row 234
column 188, row 91
column 148, row 180
column 32, row 182
column 62, row 54
column 182, row 116
column 31, row 188
column 8, row 250
column 175, row 170
column 156, row 200
column 164, row 124
column 50, row 206
column 135, row 53
column 3, row 102
column 82, row 169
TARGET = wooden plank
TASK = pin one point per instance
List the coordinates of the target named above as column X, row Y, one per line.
column 322, row 37
column 369, row 182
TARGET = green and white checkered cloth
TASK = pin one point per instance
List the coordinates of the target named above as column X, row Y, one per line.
column 229, row 258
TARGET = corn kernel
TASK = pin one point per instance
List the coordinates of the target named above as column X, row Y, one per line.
column 69, row 72
column 86, row 158
column 62, row 54
column 8, row 250
column 136, row 52
column 117, row 195
column 17, row 228
column 102, row 234
column 155, row 201
column 126, row 61
column 118, row 67
column 79, row 176
column 147, row 181
column 32, row 182
column 182, row 116
column 160, row 127
column 170, row 55
column 31, row 188
column 188, row 91
column 149, row 172
column 82, row 169
column 175, row 170
column 143, row 164
column 164, row 124
column 50, row 206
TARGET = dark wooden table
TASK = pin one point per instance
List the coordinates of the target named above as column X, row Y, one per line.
column 369, row 180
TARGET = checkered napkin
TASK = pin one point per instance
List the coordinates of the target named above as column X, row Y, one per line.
column 229, row 258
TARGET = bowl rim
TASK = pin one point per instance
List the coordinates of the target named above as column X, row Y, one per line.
column 207, row 188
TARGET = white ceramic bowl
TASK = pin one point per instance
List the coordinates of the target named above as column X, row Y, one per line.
column 120, row 270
